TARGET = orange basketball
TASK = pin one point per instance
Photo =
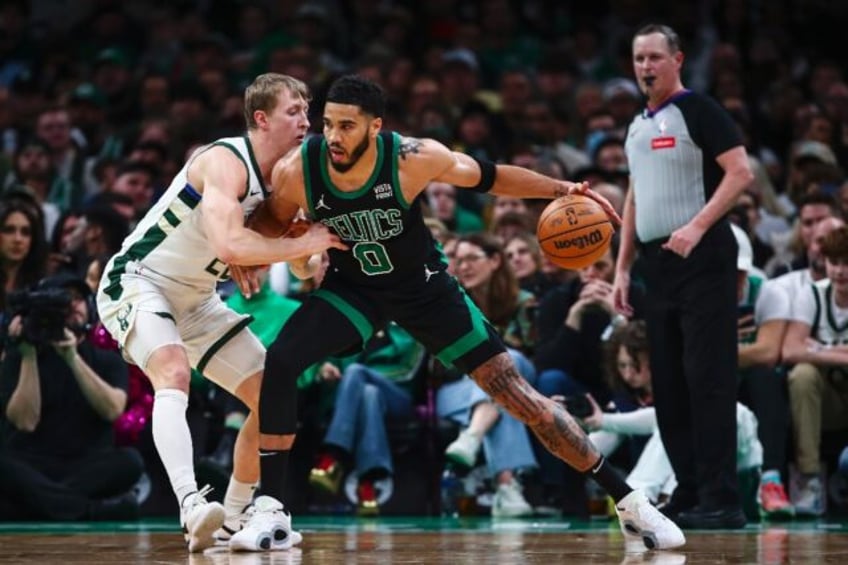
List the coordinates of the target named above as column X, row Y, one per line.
column 574, row 231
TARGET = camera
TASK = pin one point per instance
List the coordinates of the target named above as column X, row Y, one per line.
column 43, row 313
column 578, row 406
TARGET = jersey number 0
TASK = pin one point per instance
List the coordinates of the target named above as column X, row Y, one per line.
column 373, row 258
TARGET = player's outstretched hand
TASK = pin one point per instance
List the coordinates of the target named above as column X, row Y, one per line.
column 247, row 278
column 583, row 188
column 318, row 238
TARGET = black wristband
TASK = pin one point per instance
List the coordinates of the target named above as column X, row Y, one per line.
column 488, row 171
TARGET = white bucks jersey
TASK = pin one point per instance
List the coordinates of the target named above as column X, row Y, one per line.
column 170, row 242
column 830, row 324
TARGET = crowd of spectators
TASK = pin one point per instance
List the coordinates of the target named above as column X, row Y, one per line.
column 101, row 102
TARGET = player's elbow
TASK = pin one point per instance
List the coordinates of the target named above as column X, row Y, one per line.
column 227, row 255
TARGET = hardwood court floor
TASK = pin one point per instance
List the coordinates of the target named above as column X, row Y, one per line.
column 336, row 540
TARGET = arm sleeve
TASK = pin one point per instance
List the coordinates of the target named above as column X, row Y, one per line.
column 639, row 422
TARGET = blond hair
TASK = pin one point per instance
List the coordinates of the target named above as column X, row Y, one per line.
column 263, row 91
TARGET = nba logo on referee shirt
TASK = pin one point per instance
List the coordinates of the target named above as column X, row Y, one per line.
column 663, row 141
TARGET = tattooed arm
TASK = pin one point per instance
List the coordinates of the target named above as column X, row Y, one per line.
column 549, row 420
column 425, row 160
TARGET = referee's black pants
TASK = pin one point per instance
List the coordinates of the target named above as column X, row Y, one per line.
column 691, row 318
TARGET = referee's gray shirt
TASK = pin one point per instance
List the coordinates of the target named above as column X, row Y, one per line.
column 671, row 152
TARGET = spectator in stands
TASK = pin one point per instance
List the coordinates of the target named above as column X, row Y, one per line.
column 381, row 384
column 764, row 312
column 525, row 259
column 33, row 169
column 511, row 224
column 60, row 396
column 812, row 209
column 441, row 198
column 818, row 381
column 545, row 126
column 809, row 161
column 483, row 271
column 53, row 126
column 573, row 320
column 747, row 215
column 631, row 415
column 135, row 179
column 62, row 240
column 23, row 249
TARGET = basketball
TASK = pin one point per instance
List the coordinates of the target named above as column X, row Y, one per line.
column 574, row 231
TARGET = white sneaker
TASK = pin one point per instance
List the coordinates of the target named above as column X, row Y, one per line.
column 200, row 518
column 268, row 528
column 638, row 517
column 509, row 501
column 463, row 451
column 810, row 498
column 232, row 524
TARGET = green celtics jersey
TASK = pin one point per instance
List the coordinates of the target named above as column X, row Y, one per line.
column 388, row 240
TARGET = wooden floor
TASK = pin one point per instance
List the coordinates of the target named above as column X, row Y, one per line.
column 350, row 541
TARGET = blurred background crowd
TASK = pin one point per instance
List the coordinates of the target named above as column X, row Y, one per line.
column 101, row 102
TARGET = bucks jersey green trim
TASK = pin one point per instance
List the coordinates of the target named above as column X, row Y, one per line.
column 360, row 322
column 395, row 172
column 221, row 342
column 256, row 170
column 307, row 177
column 324, row 164
column 237, row 153
column 469, row 341
column 154, row 235
column 831, row 319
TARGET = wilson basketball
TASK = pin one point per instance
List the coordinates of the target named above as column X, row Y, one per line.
column 574, row 231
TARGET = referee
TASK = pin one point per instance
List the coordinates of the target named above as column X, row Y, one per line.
column 687, row 169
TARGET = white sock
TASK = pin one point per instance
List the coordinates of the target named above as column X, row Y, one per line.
column 173, row 440
column 238, row 496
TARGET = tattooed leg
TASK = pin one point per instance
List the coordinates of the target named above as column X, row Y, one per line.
column 549, row 420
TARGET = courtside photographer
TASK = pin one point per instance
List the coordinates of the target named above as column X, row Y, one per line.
column 59, row 396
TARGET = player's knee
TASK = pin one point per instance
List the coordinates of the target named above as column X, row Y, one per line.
column 282, row 358
column 248, row 392
column 170, row 375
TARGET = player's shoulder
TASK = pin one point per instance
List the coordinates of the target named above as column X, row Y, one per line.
column 288, row 166
column 227, row 148
column 419, row 151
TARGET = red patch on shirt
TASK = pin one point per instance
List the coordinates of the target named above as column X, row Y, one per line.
column 663, row 142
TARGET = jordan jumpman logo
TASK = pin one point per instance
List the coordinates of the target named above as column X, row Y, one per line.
column 428, row 273
column 321, row 204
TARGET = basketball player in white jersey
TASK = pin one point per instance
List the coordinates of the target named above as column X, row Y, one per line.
column 157, row 296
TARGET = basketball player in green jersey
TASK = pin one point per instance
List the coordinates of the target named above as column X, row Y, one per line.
column 364, row 185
